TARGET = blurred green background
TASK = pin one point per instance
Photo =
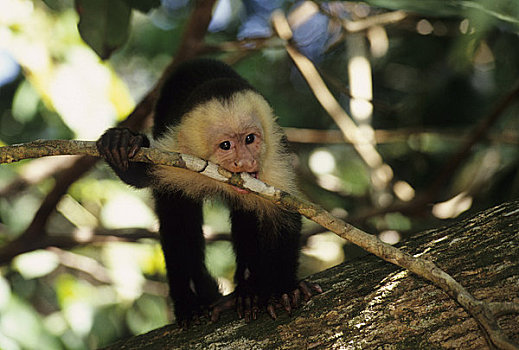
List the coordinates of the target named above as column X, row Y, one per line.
column 417, row 77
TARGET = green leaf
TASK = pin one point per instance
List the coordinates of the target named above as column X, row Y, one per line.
column 103, row 25
column 57, row 5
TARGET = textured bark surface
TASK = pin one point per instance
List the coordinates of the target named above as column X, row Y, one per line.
column 371, row 304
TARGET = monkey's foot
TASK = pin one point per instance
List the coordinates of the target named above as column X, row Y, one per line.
column 292, row 300
column 187, row 315
column 248, row 306
column 191, row 310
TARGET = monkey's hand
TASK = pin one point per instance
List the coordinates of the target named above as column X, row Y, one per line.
column 248, row 305
column 118, row 145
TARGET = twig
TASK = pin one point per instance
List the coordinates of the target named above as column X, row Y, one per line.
column 382, row 172
column 301, row 135
column 368, row 22
column 484, row 313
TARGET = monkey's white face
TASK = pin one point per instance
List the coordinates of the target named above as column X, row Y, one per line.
column 237, row 149
column 227, row 133
column 240, row 135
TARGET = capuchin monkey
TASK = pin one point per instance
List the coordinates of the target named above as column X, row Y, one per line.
column 207, row 110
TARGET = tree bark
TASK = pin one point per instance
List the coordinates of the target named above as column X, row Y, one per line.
column 370, row 304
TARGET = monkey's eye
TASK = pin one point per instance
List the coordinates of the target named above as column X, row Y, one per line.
column 226, row 145
column 250, row 139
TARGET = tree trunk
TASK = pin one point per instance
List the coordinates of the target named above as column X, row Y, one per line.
column 371, row 304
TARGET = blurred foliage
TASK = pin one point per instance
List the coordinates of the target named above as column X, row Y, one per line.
column 436, row 74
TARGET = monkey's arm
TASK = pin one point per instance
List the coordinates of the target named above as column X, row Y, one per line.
column 117, row 146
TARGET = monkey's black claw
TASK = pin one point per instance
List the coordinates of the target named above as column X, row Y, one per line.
column 224, row 303
column 285, row 301
column 307, row 287
column 272, row 311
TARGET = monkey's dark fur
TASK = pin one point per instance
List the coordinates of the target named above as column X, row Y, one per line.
column 265, row 238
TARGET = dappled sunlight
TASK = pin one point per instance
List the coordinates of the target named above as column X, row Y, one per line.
column 36, row 264
column 378, row 40
column 359, row 70
column 124, row 269
column 321, row 162
column 452, row 207
column 381, row 176
column 327, row 247
column 404, row 191
column 424, row 27
column 85, row 107
column 389, row 236
column 80, row 317
column 126, row 210
column 76, row 83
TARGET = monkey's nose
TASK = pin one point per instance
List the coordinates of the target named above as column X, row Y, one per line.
column 245, row 165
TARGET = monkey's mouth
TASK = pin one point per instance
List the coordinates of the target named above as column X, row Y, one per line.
column 242, row 190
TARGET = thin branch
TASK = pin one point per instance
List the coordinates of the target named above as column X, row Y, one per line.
column 382, row 172
column 480, row 310
column 68, row 241
column 359, row 25
column 301, row 135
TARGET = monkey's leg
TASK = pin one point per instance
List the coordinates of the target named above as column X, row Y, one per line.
column 267, row 254
column 192, row 289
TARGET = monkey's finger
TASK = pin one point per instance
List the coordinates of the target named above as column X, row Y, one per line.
column 225, row 303
column 296, row 297
column 285, row 301
column 133, row 147
column 103, row 146
column 239, row 306
column 135, row 144
column 100, row 147
column 247, row 309
column 115, row 141
column 317, row 288
column 271, row 311
column 123, row 147
column 215, row 314
column 255, row 307
column 307, row 293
